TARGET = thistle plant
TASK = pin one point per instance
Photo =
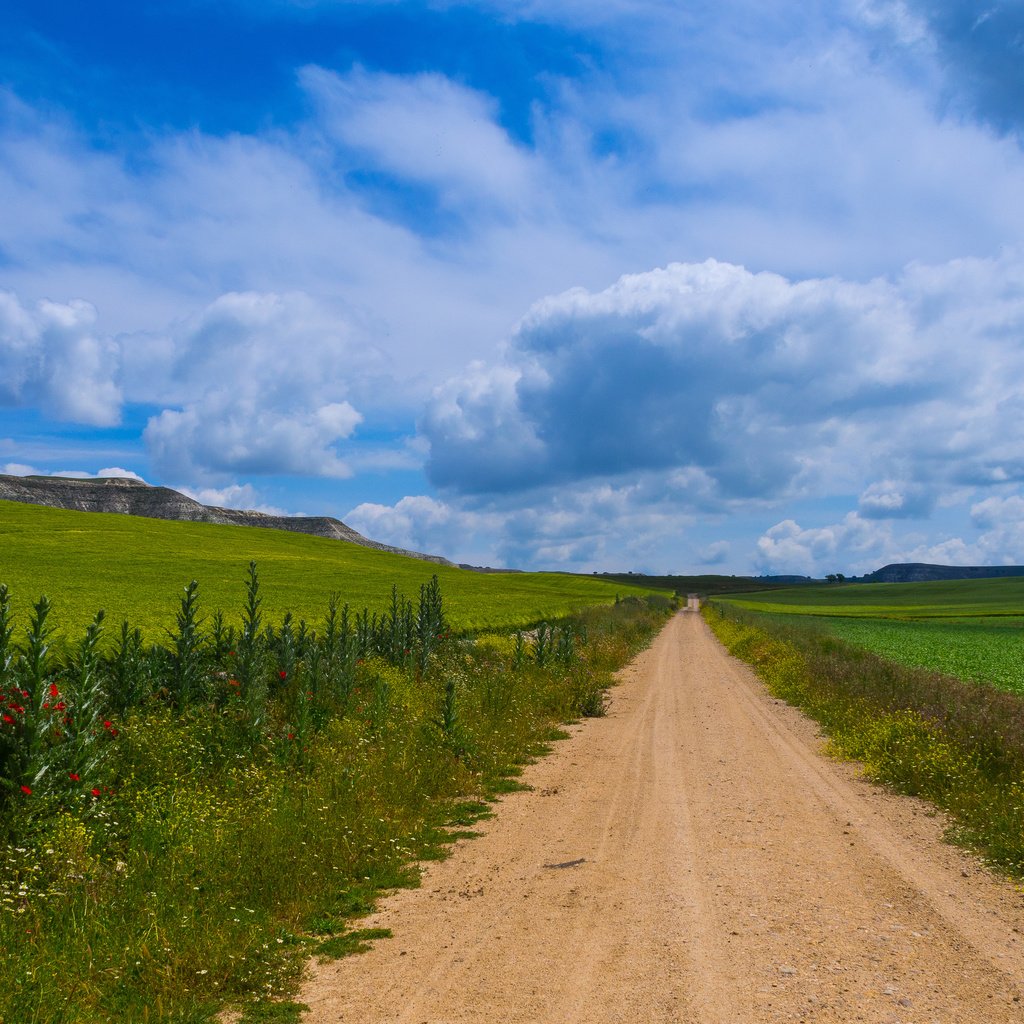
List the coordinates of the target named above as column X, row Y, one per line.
column 542, row 644
column 187, row 682
column 251, row 655
column 127, row 673
column 519, row 651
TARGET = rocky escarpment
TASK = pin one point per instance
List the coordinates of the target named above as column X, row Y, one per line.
column 135, row 498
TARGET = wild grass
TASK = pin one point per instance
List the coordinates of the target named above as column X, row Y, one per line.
column 182, row 825
column 956, row 743
column 132, row 568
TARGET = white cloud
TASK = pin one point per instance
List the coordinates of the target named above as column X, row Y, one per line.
column 225, row 435
column 239, row 496
column 789, row 548
column 262, row 381
column 422, row 523
column 52, row 357
column 20, row 469
column 423, row 128
column 759, row 387
column 637, row 525
column 895, row 499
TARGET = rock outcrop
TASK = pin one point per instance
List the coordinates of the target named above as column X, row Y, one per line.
column 135, row 498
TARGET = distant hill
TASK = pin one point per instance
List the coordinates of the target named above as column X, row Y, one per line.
column 707, row 584
column 135, row 498
column 921, row 572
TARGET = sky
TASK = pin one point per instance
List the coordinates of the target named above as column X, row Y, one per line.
column 585, row 285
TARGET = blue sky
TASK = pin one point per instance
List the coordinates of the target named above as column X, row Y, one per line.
column 635, row 284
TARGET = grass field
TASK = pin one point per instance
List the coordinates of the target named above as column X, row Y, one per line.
column 971, row 629
column 949, row 600
column 135, row 568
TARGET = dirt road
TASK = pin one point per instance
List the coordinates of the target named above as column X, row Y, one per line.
column 692, row 857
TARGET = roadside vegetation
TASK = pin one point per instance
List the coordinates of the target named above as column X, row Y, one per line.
column 184, row 822
column 90, row 560
column 957, row 743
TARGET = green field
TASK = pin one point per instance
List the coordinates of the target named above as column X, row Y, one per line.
column 949, row 600
column 971, row 629
column 135, row 568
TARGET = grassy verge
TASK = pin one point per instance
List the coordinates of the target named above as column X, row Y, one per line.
column 182, row 826
column 958, row 744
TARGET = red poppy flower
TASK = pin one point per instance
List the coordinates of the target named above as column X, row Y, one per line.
column 8, row 720
column 291, row 735
column 233, row 682
column 283, row 674
column 26, row 790
column 73, row 777
column 54, row 692
column 95, row 792
column 60, row 705
column 113, row 732
column 106, row 725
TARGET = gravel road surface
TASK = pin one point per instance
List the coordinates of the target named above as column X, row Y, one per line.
column 692, row 857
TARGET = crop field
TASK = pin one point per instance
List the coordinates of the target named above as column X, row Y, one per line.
column 972, row 629
column 998, row 599
column 980, row 653
column 136, row 569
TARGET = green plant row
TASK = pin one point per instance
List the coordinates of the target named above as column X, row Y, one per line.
column 185, row 823
column 955, row 743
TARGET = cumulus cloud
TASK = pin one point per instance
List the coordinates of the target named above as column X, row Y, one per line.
column 242, row 496
column 52, row 357
column 422, row 523
column 20, row 469
column 789, row 548
column 992, row 534
column 760, row 387
column 638, row 525
column 262, row 380
column 895, row 499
